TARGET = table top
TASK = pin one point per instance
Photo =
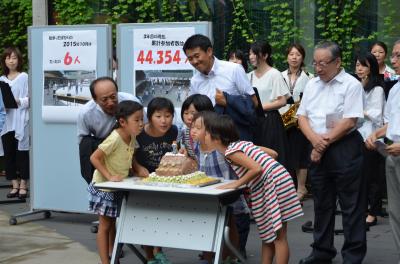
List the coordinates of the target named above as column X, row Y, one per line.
column 131, row 184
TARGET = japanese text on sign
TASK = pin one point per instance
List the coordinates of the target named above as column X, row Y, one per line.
column 72, row 50
column 161, row 48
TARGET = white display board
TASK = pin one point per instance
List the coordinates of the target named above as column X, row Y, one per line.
column 70, row 57
column 69, row 66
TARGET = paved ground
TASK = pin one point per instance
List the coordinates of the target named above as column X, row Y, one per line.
column 66, row 238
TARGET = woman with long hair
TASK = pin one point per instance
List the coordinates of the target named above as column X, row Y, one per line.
column 367, row 70
column 15, row 132
column 273, row 93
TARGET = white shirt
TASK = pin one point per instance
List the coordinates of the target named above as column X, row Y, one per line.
column 92, row 121
column 374, row 104
column 300, row 84
column 18, row 119
column 392, row 114
column 270, row 86
column 226, row 76
column 342, row 95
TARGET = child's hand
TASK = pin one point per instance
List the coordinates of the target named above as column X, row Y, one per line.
column 183, row 151
column 115, row 178
column 142, row 172
column 231, row 185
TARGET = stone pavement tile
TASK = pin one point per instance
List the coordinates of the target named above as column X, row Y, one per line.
column 32, row 243
column 69, row 253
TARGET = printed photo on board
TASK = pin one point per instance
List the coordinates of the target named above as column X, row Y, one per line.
column 67, row 88
column 172, row 84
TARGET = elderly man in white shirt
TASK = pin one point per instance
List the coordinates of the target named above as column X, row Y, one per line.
column 328, row 113
column 391, row 130
column 96, row 119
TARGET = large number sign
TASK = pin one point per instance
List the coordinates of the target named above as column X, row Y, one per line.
column 161, row 48
column 160, row 65
column 69, row 65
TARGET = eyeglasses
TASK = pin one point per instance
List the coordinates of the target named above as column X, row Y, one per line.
column 395, row 56
column 322, row 64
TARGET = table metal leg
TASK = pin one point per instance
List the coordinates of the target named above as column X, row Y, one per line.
column 231, row 247
column 219, row 241
column 118, row 246
column 137, row 253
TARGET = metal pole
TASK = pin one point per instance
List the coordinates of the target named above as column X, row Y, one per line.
column 40, row 12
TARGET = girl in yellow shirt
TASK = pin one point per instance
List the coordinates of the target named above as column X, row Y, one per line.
column 112, row 161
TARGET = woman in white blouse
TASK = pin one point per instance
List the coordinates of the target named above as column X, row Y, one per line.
column 15, row 132
column 297, row 78
column 367, row 71
column 273, row 92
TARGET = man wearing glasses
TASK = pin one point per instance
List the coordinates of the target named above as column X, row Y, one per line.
column 96, row 119
column 391, row 130
column 328, row 114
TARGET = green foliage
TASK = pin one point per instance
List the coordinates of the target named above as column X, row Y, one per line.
column 337, row 22
column 17, row 16
column 390, row 16
column 73, row 12
column 283, row 30
column 241, row 27
column 146, row 11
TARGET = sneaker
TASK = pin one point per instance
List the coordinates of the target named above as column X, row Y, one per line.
column 161, row 258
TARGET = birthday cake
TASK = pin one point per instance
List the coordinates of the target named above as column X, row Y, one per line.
column 179, row 170
column 176, row 164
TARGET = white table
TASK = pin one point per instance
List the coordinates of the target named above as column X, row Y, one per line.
column 186, row 218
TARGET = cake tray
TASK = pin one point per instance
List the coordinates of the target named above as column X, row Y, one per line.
column 178, row 185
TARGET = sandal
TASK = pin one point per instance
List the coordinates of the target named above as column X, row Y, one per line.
column 23, row 195
column 13, row 194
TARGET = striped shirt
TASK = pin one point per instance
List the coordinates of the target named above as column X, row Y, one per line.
column 272, row 194
column 214, row 164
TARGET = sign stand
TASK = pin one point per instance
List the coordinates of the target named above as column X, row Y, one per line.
column 62, row 61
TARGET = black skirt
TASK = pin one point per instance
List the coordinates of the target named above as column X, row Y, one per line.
column 299, row 148
column 270, row 132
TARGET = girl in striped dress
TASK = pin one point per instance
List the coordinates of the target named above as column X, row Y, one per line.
column 273, row 195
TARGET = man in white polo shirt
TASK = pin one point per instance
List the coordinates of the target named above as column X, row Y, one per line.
column 328, row 114
column 391, row 130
